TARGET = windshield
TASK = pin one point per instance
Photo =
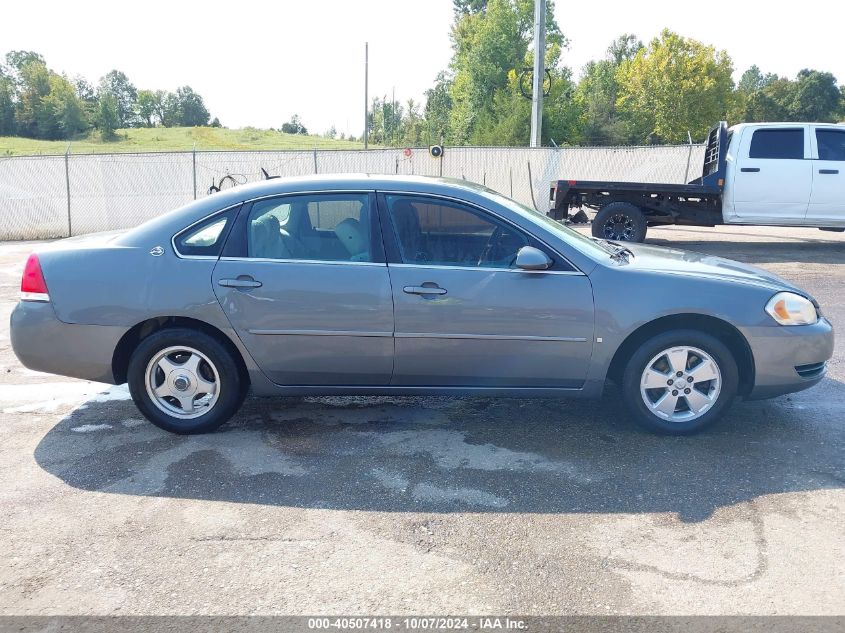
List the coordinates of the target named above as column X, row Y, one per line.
column 587, row 245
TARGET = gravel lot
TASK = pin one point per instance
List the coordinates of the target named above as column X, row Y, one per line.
column 428, row 505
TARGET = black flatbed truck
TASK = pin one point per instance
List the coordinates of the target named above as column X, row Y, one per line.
column 626, row 209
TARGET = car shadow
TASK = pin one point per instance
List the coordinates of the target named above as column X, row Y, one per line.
column 458, row 454
column 811, row 251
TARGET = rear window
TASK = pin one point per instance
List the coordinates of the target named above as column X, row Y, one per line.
column 205, row 239
column 777, row 143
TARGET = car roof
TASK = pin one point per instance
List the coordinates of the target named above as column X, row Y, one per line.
column 319, row 182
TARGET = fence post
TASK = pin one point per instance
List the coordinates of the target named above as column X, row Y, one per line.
column 689, row 156
column 67, row 188
column 194, row 153
column 315, row 161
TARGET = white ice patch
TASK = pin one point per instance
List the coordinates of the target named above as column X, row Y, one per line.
column 91, row 428
column 115, row 392
column 48, row 397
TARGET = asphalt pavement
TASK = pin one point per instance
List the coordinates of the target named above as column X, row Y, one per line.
column 429, row 505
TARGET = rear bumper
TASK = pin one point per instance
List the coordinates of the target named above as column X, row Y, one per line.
column 44, row 343
column 789, row 359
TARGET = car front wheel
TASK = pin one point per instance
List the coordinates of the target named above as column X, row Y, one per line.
column 185, row 381
column 679, row 382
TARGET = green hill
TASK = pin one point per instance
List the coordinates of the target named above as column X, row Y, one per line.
column 162, row 139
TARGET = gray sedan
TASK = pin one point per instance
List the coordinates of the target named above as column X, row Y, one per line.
column 396, row 285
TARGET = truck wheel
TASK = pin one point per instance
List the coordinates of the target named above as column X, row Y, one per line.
column 620, row 222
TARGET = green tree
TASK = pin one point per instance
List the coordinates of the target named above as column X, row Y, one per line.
column 412, row 125
column 508, row 122
column 491, row 39
column 748, row 95
column 147, row 107
column 62, row 113
column 116, row 84
column 816, row 97
column 842, row 102
column 438, row 109
column 385, row 121
column 87, row 96
column 190, row 108
column 812, row 96
column 108, row 117
column 294, row 126
column 597, row 92
column 33, row 86
column 674, row 85
column 7, row 106
column 624, row 48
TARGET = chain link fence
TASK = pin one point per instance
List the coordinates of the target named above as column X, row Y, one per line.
column 73, row 194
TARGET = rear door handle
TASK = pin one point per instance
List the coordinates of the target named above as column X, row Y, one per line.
column 752, row 170
column 828, row 171
column 240, row 282
column 424, row 290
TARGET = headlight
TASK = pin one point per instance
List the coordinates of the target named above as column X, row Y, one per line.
column 788, row 308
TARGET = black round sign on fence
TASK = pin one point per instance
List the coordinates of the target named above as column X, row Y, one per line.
column 436, row 151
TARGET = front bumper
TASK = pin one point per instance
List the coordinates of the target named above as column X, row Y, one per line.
column 781, row 352
column 44, row 343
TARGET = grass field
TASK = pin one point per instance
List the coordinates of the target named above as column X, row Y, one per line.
column 172, row 139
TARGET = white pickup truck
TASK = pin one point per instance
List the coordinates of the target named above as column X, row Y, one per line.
column 780, row 174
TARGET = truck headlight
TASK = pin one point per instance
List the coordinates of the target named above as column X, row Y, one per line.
column 788, row 308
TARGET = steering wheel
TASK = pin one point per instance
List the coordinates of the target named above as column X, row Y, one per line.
column 488, row 247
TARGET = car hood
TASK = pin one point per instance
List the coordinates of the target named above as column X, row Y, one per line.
column 675, row 261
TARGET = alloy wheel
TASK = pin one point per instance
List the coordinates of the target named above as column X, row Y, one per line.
column 182, row 382
column 681, row 384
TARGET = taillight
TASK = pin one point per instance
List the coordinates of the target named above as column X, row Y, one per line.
column 33, row 286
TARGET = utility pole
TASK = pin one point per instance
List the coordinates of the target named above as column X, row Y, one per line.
column 366, row 96
column 539, row 72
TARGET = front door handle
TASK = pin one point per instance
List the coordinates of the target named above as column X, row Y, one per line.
column 828, row 171
column 424, row 290
column 751, row 170
column 241, row 282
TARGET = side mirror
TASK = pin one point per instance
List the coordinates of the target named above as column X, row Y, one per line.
column 530, row 258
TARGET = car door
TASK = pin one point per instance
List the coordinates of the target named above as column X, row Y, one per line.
column 827, row 199
column 773, row 177
column 464, row 316
column 304, row 283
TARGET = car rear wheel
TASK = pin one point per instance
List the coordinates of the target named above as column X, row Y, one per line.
column 620, row 222
column 185, row 381
column 679, row 382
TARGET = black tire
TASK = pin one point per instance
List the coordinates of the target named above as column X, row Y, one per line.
column 230, row 384
column 620, row 222
column 641, row 359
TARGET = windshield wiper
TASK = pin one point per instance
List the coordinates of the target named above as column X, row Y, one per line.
column 621, row 249
column 614, row 249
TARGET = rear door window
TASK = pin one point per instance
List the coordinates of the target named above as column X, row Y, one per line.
column 312, row 227
column 831, row 144
column 777, row 143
